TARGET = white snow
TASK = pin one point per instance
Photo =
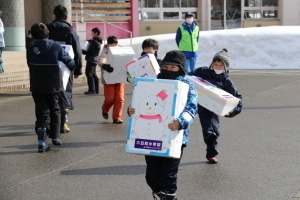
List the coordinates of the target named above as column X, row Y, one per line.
column 273, row 47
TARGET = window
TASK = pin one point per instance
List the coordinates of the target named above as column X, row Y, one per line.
column 148, row 15
column 259, row 9
column 166, row 10
column 270, row 14
column 150, row 3
column 252, row 3
column 270, row 3
column 170, row 3
column 252, row 14
column 189, row 3
column 171, row 15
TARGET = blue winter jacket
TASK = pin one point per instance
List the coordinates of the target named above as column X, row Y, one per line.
column 190, row 111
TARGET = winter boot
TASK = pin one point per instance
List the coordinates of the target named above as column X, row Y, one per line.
column 42, row 140
column 165, row 195
column 156, row 195
column 64, row 128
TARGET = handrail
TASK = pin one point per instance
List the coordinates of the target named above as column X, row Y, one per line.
column 105, row 22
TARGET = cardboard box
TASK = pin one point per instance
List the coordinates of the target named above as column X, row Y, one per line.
column 69, row 49
column 118, row 57
column 213, row 98
column 143, row 67
column 85, row 45
column 65, row 72
column 157, row 103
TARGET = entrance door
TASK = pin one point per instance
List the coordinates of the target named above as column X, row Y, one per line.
column 232, row 14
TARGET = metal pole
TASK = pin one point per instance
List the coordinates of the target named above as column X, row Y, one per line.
column 225, row 13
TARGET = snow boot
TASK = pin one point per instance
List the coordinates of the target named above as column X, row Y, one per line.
column 42, row 140
column 64, row 128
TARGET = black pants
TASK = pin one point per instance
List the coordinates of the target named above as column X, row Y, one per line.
column 92, row 78
column 161, row 173
column 210, row 123
column 47, row 113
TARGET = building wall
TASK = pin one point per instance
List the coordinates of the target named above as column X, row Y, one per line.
column 289, row 12
column 158, row 28
column 247, row 24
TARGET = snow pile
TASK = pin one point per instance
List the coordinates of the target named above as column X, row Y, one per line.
column 273, row 47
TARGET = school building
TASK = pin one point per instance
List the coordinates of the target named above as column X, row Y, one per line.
column 134, row 18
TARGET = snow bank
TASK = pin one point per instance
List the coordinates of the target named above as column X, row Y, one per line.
column 273, row 47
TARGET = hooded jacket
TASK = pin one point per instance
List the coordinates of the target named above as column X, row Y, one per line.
column 43, row 58
column 62, row 31
column 92, row 54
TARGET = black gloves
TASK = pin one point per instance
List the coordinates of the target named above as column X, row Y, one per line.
column 107, row 68
column 230, row 114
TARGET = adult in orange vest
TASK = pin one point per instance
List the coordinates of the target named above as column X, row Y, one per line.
column 187, row 37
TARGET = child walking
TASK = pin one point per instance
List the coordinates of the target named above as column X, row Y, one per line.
column 46, row 83
column 161, row 172
column 113, row 93
column 91, row 57
column 149, row 46
column 218, row 74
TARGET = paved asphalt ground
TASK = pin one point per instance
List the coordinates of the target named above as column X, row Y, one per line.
column 258, row 160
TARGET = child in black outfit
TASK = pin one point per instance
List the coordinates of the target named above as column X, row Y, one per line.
column 91, row 58
column 46, row 83
column 218, row 74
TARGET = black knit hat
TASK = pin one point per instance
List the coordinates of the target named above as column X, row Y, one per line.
column 175, row 57
column 222, row 56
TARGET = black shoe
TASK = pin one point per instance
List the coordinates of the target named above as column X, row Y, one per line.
column 56, row 142
column 88, row 93
column 43, row 148
column 212, row 160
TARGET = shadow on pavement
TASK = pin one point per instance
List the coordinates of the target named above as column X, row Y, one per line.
column 110, row 170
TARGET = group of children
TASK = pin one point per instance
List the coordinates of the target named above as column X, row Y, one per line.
column 161, row 172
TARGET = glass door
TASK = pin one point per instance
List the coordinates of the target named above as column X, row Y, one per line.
column 225, row 14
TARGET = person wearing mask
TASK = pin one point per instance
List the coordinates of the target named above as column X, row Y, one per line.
column 187, row 37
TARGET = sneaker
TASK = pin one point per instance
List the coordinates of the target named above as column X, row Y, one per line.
column 88, row 92
column 212, row 160
column 56, row 142
column 118, row 121
column 104, row 115
column 43, row 148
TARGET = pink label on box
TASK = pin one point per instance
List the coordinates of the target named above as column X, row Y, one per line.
column 148, row 144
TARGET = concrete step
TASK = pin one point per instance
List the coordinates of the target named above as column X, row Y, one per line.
column 22, row 85
column 10, row 77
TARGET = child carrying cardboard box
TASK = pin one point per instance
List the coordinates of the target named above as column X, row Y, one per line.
column 217, row 74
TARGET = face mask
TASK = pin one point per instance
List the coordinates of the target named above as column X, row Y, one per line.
column 165, row 74
column 189, row 20
column 219, row 71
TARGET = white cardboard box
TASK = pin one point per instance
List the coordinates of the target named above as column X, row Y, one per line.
column 144, row 67
column 65, row 72
column 157, row 102
column 85, row 45
column 213, row 98
column 118, row 57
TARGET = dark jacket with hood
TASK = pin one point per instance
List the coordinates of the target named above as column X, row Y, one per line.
column 222, row 81
column 92, row 53
column 62, row 31
column 42, row 59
